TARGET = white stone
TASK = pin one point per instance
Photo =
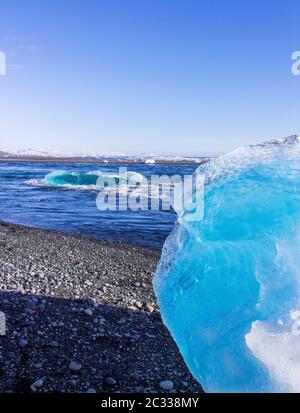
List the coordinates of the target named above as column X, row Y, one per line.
column 75, row 366
column 166, row 385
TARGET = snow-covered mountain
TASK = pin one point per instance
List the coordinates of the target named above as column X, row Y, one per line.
column 89, row 155
column 21, row 153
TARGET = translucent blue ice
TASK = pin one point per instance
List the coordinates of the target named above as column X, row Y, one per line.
column 228, row 286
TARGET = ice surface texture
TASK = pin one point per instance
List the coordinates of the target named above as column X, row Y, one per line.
column 229, row 285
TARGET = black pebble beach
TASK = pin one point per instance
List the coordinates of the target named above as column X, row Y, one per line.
column 81, row 316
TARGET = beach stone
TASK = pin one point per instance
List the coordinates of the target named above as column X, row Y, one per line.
column 91, row 391
column 138, row 304
column 110, row 381
column 150, row 308
column 166, row 385
column 88, row 312
column 91, row 301
column 75, row 366
column 38, row 383
column 23, row 343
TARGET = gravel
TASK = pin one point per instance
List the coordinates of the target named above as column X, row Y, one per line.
column 81, row 316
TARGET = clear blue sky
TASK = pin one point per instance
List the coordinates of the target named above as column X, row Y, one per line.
column 163, row 76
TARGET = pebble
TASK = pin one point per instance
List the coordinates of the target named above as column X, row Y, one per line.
column 166, row 385
column 110, row 381
column 92, row 302
column 23, row 342
column 150, row 308
column 88, row 312
column 91, row 391
column 138, row 304
column 38, row 383
column 75, row 366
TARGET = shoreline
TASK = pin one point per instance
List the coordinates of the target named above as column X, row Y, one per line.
column 105, row 161
column 81, row 316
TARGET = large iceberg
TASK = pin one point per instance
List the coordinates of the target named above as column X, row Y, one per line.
column 228, row 285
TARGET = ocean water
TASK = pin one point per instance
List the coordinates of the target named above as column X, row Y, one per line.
column 62, row 197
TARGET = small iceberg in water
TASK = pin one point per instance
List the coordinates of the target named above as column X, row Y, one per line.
column 78, row 180
column 228, row 285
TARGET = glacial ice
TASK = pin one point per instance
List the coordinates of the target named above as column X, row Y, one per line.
column 78, row 180
column 228, row 285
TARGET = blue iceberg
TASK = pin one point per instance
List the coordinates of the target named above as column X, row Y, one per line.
column 228, row 285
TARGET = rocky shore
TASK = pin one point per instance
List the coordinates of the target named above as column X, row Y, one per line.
column 81, row 317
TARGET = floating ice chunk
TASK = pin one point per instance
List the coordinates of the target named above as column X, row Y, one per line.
column 229, row 285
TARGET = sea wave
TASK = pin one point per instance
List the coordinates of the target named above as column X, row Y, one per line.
column 77, row 180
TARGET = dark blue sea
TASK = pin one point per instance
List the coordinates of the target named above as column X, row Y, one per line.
column 62, row 197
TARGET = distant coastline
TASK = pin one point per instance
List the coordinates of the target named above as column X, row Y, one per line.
column 136, row 161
